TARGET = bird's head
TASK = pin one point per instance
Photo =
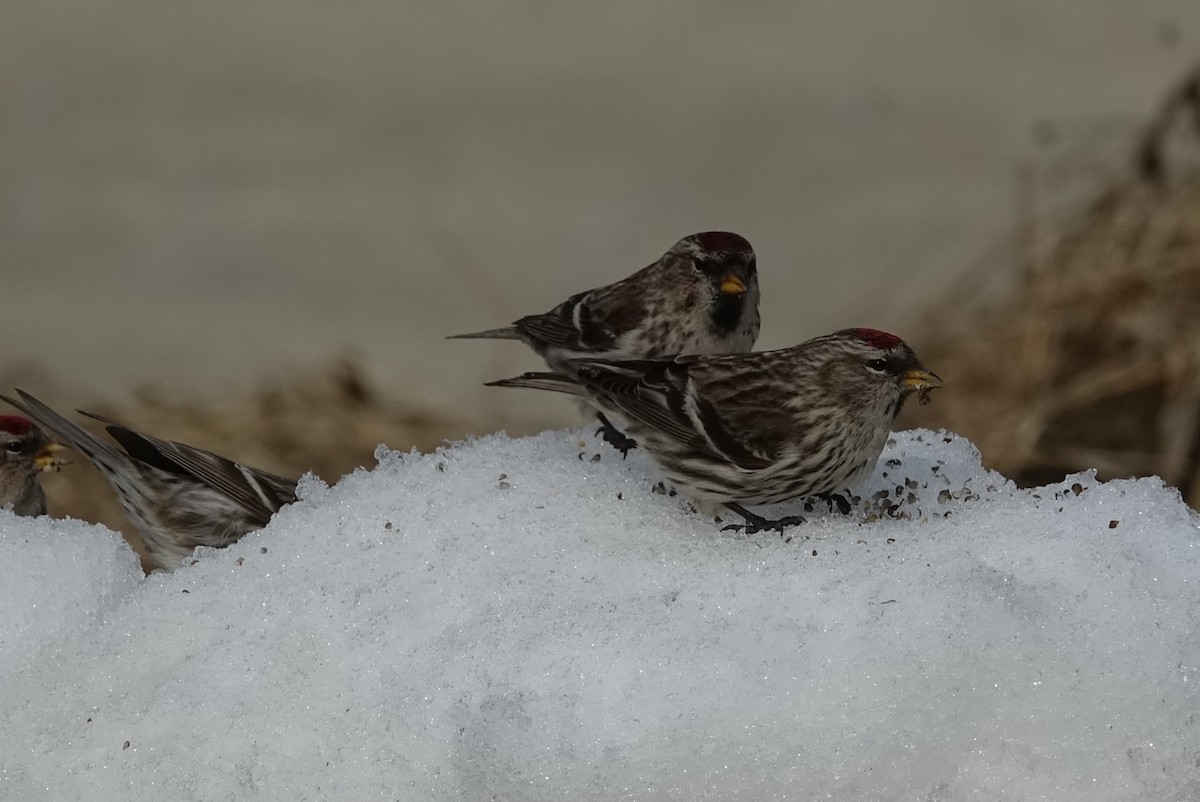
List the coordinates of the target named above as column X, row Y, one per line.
column 726, row 263
column 23, row 443
column 873, row 364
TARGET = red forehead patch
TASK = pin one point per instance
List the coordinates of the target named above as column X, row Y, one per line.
column 878, row 339
column 722, row 241
column 15, row 424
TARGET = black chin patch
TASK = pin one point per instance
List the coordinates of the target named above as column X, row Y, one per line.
column 726, row 312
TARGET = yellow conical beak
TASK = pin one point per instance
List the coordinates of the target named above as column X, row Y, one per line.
column 921, row 381
column 47, row 459
column 732, row 285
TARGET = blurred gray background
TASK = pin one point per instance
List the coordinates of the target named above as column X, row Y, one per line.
column 207, row 196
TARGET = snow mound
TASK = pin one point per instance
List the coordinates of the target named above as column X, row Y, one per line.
column 58, row 580
column 536, row 619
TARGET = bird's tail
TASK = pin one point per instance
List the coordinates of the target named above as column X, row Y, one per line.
column 554, row 382
column 506, row 333
column 68, row 433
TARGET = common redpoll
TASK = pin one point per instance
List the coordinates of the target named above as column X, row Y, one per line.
column 25, row 451
column 177, row 496
column 700, row 297
column 759, row 428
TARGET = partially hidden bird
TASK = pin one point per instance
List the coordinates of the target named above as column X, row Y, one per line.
column 176, row 496
column 25, row 452
column 700, row 297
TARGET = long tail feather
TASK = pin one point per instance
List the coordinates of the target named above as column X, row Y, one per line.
column 508, row 333
column 554, row 382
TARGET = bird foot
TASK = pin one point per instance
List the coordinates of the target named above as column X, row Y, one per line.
column 614, row 436
column 756, row 523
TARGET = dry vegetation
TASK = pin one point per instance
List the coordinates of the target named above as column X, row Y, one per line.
column 1092, row 360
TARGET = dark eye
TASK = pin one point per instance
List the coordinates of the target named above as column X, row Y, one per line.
column 14, row 446
column 878, row 364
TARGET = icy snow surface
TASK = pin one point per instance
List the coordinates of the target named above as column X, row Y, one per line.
column 529, row 620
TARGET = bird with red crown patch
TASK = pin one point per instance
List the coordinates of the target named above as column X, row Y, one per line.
column 700, row 297
column 758, row 428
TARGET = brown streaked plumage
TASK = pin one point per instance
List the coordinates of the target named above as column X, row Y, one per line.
column 700, row 297
column 757, row 428
column 177, row 496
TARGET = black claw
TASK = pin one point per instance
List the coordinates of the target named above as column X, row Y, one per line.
column 614, row 436
column 756, row 523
